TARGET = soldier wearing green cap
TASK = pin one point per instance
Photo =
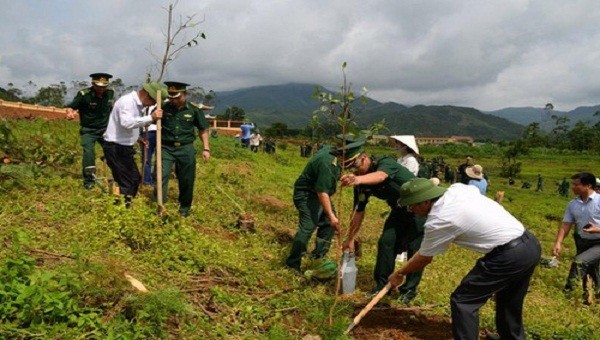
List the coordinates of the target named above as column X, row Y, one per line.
column 93, row 105
column 312, row 198
column 178, row 136
column 123, row 131
column 463, row 216
column 382, row 177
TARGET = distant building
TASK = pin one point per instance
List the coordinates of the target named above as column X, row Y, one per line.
column 423, row 140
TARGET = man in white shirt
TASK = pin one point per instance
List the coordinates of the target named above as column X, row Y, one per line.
column 122, row 133
column 461, row 215
column 583, row 213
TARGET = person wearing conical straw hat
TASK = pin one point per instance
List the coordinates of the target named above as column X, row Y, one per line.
column 407, row 146
column 93, row 105
column 123, row 131
column 461, row 215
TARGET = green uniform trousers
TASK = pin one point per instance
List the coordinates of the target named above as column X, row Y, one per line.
column 400, row 233
column 312, row 217
column 184, row 158
column 88, row 140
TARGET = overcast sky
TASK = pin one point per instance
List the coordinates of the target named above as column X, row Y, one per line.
column 484, row 54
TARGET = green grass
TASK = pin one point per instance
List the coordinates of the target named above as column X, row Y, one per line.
column 208, row 278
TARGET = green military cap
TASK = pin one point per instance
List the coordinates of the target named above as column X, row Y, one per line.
column 100, row 79
column 418, row 190
column 153, row 87
column 175, row 88
column 350, row 151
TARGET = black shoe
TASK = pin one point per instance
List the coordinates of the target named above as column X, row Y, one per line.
column 88, row 186
column 128, row 200
column 406, row 298
column 185, row 212
column 492, row 336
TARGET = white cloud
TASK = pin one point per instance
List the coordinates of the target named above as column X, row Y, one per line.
column 485, row 54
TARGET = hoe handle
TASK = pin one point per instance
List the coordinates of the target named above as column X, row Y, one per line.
column 369, row 306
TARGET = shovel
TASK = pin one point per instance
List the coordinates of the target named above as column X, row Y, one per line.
column 368, row 307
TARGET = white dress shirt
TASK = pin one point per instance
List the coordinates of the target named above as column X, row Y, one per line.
column 464, row 216
column 125, row 120
column 410, row 162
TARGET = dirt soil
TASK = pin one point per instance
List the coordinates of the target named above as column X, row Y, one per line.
column 401, row 324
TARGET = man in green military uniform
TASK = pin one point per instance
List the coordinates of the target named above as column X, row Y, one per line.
column 180, row 117
column 382, row 177
column 93, row 105
column 312, row 197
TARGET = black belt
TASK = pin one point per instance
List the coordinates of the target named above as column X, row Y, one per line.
column 174, row 144
column 513, row 243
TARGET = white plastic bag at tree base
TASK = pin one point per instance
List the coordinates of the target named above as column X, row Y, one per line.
column 348, row 273
column 401, row 257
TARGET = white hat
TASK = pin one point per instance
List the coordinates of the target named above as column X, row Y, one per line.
column 475, row 171
column 408, row 140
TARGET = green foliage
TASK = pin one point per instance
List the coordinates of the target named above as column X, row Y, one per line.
column 52, row 95
column 209, row 279
column 277, row 130
column 233, row 113
column 148, row 313
column 32, row 298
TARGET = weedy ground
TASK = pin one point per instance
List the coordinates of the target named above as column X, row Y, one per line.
column 66, row 250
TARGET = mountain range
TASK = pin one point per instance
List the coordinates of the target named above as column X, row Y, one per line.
column 293, row 105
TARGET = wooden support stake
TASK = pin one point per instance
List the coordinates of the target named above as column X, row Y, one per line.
column 159, row 182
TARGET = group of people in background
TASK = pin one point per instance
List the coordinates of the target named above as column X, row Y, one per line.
column 251, row 138
column 116, row 126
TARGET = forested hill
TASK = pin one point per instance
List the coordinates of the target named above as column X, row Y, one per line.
column 446, row 120
column 293, row 105
column 527, row 115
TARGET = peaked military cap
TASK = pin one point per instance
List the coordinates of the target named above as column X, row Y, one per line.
column 350, row 151
column 100, row 79
column 175, row 88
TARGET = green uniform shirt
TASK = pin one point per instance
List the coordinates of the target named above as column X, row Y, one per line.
column 389, row 189
column 320, row 174
column 178, row 124
column 93, row 110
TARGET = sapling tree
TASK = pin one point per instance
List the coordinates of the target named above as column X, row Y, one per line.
column 177, row 38
column 337, row 109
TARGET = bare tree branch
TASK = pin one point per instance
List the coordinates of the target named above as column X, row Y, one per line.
column 175, row 38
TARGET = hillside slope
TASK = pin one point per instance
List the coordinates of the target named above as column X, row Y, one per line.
column 67, row 250
column 528, row 115
column 293, row 105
